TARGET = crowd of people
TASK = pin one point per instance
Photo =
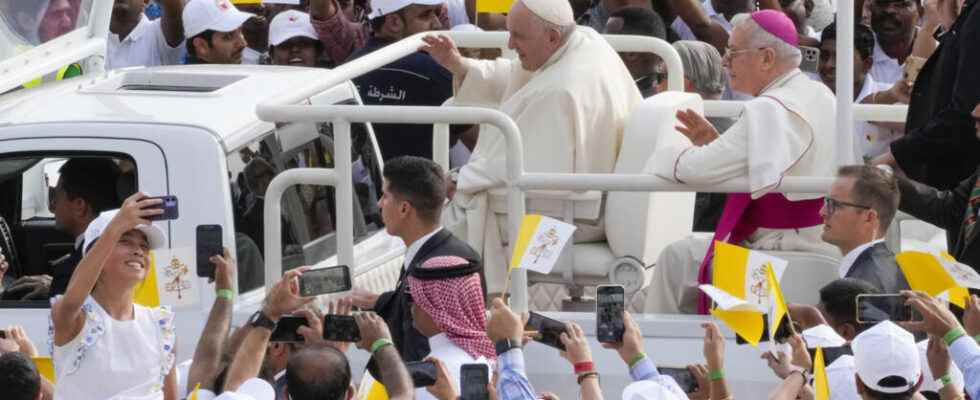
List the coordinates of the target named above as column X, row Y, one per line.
column 571, row 95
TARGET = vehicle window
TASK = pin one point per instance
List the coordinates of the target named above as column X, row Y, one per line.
column 30, row 23
column 37, row 235
column 308, row 212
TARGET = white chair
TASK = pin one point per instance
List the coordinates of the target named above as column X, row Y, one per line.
column 638, row 225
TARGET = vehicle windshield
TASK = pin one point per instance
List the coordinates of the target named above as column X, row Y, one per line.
column 25, row 24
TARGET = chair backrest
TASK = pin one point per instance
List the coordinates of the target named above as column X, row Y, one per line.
column 805, row 275
column 641, row 224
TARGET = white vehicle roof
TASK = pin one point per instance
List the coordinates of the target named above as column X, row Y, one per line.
column 220, row 98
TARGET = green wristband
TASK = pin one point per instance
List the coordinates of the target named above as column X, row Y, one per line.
column 945, row 380
column 977, row 338
column 716, row 375
column 952, row 335
column 226, row 294
column 636, row 359
column 379, row 344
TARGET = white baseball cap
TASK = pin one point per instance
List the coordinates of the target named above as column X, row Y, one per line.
column 380, row 8
column 154, row 235
column 649, row 390
column 887, row 359
column 215, row 15
column 289, row 24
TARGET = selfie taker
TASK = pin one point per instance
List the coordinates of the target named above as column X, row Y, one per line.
column 96, row 324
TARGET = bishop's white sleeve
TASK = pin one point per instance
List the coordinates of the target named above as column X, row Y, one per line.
column 724, row 158
column 485, row 83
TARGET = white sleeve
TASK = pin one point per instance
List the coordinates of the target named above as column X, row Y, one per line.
column 724, row 158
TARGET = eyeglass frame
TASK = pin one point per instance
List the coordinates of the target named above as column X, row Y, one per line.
column 731, row 53
column 832, row 205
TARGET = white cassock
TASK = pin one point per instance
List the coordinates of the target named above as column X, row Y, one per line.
column 571, row 113
column 788, row 130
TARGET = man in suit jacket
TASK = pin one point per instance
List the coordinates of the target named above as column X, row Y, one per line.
column 414, row 191
column 86, row 187
column 857, row 212
column 948, row 209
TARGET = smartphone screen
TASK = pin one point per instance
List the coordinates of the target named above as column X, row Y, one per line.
column 324, row 280
column 169, row 207
column 208, row 244
column 473, row 381
column 423, row 373
column 286, row 329
column 340, row 328
column 610, row 303
column 549, row 330
column 683, row 377
column 874, row 308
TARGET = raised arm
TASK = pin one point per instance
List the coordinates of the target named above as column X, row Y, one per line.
column 376, row 338
column 66, row 314
column 340, row 37
column 706, row 30
column 283, row 298
column 171, row 22
column 207, row 355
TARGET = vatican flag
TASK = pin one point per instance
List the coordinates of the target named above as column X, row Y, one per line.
column 939, row 275
column 820, row 384
column 494, row 6
column 539, row 243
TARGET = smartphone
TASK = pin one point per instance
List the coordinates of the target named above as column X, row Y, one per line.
column 831, row 354
column 610, row 303
column 340, row 328
column 811, row 59
column 208, row 244
column 324, row 280
column 874, row 308
column 169, row 206
column 683, row 377
column 286, row 329
column 423, row 373
column 474, row 379
column 549, row 330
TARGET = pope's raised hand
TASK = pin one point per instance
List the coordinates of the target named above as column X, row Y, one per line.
column 696, row 128
column 444, row 51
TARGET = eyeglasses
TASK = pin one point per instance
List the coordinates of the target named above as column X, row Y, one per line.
column 730, row 54
column 832, row 205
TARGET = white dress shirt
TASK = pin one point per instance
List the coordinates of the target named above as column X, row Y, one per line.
column 885, row 69
column 413, row 248
column 144, row 46
column 453, row 357
column 848, row 261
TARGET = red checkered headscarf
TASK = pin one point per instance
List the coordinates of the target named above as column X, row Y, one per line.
column 455, row 305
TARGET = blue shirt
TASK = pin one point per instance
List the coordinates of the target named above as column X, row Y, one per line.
column 512, row 381
column 966, row 355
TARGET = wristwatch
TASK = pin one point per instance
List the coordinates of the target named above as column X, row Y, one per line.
column 260, row 320
column 504, row 345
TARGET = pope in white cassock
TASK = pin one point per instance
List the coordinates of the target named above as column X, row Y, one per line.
column 788, row 129
column 569, row 94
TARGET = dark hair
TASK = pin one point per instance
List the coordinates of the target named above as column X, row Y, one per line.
column 377, row 23
column 19, row 377
column 864, row 39
column 418, row 181
column 874, row 188
column 207, row 35
column 93, row 180
column 838, row 299
column 641, row 21
column 317, row 373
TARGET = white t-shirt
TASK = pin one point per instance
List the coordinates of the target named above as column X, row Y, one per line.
column 145, row 45
column 453, row 357
column 885, row 70
column 116, row 360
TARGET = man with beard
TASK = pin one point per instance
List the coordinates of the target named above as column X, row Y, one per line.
column 135, row 40
column 214, row 32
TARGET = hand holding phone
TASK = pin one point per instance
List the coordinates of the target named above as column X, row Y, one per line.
column 286, row 329
column 610, row 304
column 340, row 328
column 169, row 206
column 209, row 243
column 315, row 282
column 474, row 379
column 684, row 378
column 423, row 373
column 547, row 331
column 874, row 308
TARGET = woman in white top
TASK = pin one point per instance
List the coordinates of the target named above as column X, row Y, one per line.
column 106, row 347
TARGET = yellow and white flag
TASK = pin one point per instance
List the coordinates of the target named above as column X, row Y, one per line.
column 494, row 6
column 44, row 367
column 539, row 243
column 778, row 308
column 939, row 275
column 742, row 291
column 820, row 384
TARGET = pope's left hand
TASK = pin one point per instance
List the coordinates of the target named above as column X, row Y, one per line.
column 696, row 127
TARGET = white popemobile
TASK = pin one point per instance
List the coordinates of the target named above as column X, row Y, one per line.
column 193, row 132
